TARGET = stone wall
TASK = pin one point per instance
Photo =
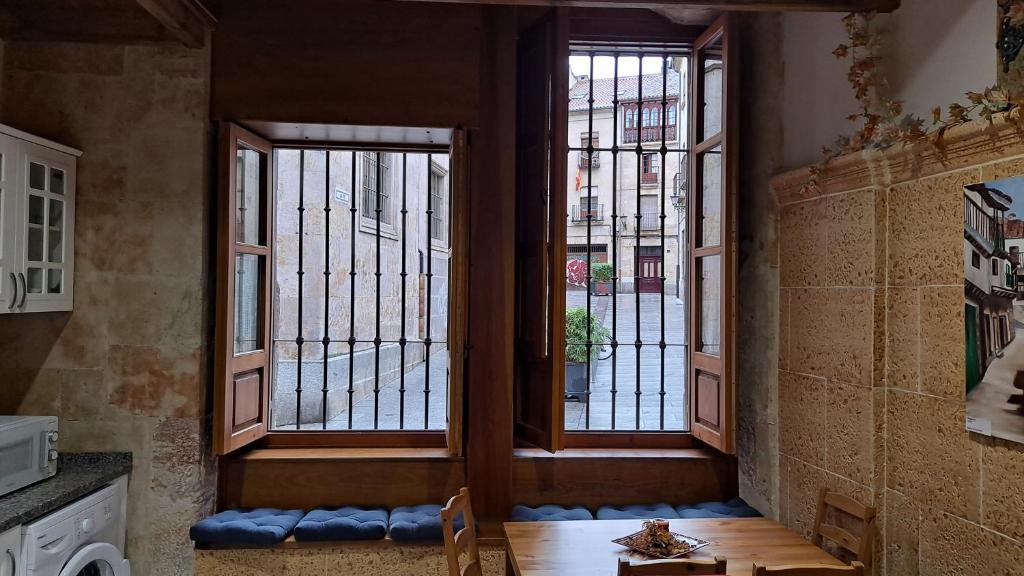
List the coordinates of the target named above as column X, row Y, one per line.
column 871, row 397
column 127, row 369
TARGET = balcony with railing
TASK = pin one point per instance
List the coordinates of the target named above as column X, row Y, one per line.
column 649, row 221
column 594, row 212
column 590, row 161
column 982, row 225
column 649, row 134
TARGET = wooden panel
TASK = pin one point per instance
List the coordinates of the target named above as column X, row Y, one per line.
column 312, row 482
column 586, row 548
column 492, row 294
column 353, row 62
column 616, row 477
column 707, row 400
column 248, row 403
column 757, row 5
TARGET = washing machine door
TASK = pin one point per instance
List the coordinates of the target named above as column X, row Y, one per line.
column 97, row 559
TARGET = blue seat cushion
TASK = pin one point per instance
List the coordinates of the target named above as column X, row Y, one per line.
column 418, row 523
column 344, row 523
column 735, row 508
column 549, row 513
column 245, row 527
column 636, row 511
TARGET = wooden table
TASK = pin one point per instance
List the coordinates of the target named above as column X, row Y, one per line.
column 585, row 547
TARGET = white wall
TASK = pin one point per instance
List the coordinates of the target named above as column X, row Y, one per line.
column 934, row 50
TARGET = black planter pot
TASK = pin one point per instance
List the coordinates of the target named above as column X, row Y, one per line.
column 575, row 381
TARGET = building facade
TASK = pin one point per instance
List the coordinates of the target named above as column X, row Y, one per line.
column 414, row 239
column 618, row 201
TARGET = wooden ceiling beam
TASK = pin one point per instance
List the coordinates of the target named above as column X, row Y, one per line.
column 187, row 20
column 745, row 5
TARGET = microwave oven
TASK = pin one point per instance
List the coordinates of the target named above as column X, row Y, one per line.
column 28, row 450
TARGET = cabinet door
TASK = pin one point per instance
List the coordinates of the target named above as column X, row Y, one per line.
column 48, row 218
column 10, row 289
column 10, row 552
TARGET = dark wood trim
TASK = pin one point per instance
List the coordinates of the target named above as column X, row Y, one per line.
column 609, row 26
column 458, row 289
column 628, row 440
column 746, row 5
column 309, row 454
column 187, row 20
column 355, row 439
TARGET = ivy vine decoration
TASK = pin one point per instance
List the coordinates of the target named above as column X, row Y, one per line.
column 881, row 122
column 1011, row 31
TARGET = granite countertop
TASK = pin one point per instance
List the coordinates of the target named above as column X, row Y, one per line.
column 78, row 474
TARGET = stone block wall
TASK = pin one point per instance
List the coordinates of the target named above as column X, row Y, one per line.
column 127, row 369
column 871, row 398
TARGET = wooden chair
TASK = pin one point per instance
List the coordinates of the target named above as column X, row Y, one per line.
column 671, row 567
column 463, row 541
column 855, row 569
column 860, row 546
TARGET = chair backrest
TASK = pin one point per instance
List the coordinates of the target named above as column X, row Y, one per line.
column 855, row 569
column 859, row 545
column 462, row 542
column 671, row 567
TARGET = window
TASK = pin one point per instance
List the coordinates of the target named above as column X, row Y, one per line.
column 672, row 113
column 588, row 160
column 975, row 260
column 630, row 118
column 995, row 266
column 438, row 191
column 325, row 327
column 376, row 186
column 632, row 376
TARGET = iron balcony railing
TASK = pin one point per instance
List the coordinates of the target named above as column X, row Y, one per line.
column 588, row 161
column 649, row 134
column 649, row 221
column 593, row 213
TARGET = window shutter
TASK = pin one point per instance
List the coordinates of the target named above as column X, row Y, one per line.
column 541, row 159
column 243, row 332
column 458, row 216
column 712, row 236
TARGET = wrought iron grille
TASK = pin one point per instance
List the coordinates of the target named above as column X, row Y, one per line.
column 360, row 325
column 637, row 341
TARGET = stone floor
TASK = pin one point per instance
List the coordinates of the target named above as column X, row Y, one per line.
column 622, row 366
column 580, row 414
column 990, row 399
column 389, row 402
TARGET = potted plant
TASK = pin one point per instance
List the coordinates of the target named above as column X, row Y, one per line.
column 600, row 279
column 577, row 325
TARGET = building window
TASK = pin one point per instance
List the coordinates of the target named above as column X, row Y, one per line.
column 995, row 266
column 654, row 117
column 647, row 117
column 436, row 206
column 671, row 114
column 588, row 160
column 630, row 118
column 649, row 168
column 976, row 260
column 376, row 184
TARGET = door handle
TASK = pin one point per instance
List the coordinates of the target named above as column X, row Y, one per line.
column 24, row 289
column 14, row 297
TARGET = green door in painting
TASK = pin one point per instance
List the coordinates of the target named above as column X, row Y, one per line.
column 971, row 339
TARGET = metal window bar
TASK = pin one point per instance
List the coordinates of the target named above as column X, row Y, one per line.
column 653, row 220
column 429, row 200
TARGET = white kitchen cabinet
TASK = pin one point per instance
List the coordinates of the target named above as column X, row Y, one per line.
column 37, row 223
column 10, row 552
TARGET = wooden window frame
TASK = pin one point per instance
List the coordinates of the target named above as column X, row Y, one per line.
column 719, row 439
column 260, row 435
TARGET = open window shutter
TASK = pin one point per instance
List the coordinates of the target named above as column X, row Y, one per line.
column 459, row 296
column 712, row 235
column 541, row 158
column 243, row 344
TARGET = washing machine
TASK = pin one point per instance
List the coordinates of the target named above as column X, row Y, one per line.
column 84, row 538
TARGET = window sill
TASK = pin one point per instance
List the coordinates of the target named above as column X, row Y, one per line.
column 298, row 454
column 618, row 453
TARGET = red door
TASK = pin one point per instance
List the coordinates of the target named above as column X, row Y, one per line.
column 648, row 279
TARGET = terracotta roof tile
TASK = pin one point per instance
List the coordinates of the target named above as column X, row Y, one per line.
column 604, row 90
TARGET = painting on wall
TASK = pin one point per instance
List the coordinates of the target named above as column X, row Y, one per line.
column 994, row 307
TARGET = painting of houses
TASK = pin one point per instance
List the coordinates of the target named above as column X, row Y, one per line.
column 994, row 308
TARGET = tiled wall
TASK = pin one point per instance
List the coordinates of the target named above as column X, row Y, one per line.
column 126, row 369
column 871, row 360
